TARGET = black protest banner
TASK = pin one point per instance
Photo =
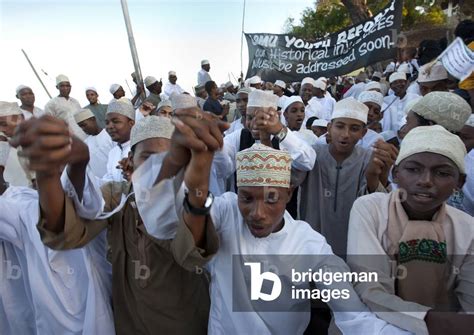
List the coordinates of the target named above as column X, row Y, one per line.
column 285, row 57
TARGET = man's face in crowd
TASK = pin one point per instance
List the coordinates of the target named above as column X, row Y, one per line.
column 262, row 208
column 306, row 92
column 90, row 126
column 120, row 93
column 241, row 103
column 399, row 87
column 319, row 131
column 345, row 133
column 165, row 111
column 64, row 89
column 92, row 97
column 412, row 122
column 144, row 149
column 319, row 93
column 257, row 86
column 436, row 86
column 429, row 179
column 155, row 87
column 277, row 90
column 375, row 113
column 118, row 127
column 294, row 115
column 27, row 97
column 9, row 123
column 172, row 79
column 207, row 67
column 467, row 136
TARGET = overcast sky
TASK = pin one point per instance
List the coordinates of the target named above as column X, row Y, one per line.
column 87, row 40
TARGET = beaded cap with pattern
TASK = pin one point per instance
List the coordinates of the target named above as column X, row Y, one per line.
column 183, row 101
column 260, row 165
column 122, row 106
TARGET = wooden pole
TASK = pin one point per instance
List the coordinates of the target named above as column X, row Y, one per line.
column 36, row 73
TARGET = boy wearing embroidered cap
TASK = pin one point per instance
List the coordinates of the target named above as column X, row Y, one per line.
column 145, row 276
column 117, row 91
column 95, row 106
column 253, row 221
column 373, row 100
column 414, row 226
column 339, row 175
column 432, row 77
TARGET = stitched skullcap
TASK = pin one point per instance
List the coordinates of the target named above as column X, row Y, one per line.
column 289, row 100
column 151, row 127
column 259, row 98
column 164, row 103
column 373, row 85
column 280, row 83
column 9, row 108
column 371, row 96
column 183, row 101
column 397, row 76
column 404, row 68
column 121, row 106
column 320, row 84
column 91, row 88
column 61, row 79
column 150, row 80
column 204, row 62
column 308, row 80
column 21, row 87
column 446, row 109
column 432, row 72
column 261, row 165
column 320, row 123
column 246, row 90
column 255, row 80
column 172, row 73
column 434, row 139
column 83, row 114
column 352, row 109
column 114, row 88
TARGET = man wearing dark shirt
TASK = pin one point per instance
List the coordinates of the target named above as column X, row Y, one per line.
column 212, row 104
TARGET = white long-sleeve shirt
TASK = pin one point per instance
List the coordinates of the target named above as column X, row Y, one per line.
column 170, row 89
column 369, row 139
column 394, row 111
column 118, row 152
column 99, row 149
column 327, row 106
column 69, row 291
column 203, row 77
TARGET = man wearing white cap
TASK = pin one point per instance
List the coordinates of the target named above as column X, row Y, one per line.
column 117, row 91
column 319, row 127
column 151, row 293
column 394, row 105
column 306, row 90
column 119, row 121
column 229, row 92
column 154, row 86
column 416, row 231
column 358, row 87
column 293, row 111
column 210, row 230
column 326, row 101
column 15, row 172
column 97, row 140
column 203, row 75
column 263, row 125
column 431, row 77
column 64, row 107
column 373, row 100
column 241, row 101
column 254, row 82
column 171, row 87
column 27, row 97
column 338, row 177
column 201, row 95
column 95, row 106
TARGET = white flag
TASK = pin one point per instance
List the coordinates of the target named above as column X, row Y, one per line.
column 458, row 59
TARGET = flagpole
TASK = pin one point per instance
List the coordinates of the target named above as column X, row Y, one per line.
column 242, row 43
column 36, row 73
column 133, row 48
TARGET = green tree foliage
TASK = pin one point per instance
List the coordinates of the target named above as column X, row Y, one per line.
column 329, row 16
